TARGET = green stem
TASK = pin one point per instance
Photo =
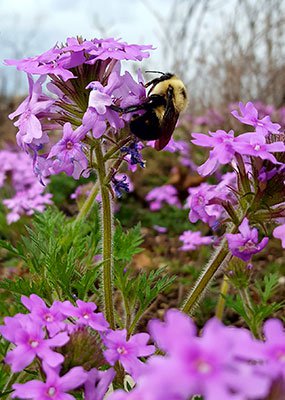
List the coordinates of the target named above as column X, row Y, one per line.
column 88, row 204
column 207, row 275
column 107, row 236
column 222, row 301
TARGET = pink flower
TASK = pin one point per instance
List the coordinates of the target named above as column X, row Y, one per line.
column 52, row 318
column 245, row 243
column 279, row 233
column 192, row 240
column 163, row 194
column 67, row 154
column 55, row 386
column 97, row 383
column 30, row 342
column 84, row 312
column 249, row 116
column 127, row 351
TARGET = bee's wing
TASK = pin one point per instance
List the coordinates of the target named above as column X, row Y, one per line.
column 168, row 122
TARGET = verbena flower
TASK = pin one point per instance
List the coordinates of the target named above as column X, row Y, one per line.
column 97, row 383
column 30, row 342
column 55, row 387
column 279, row 233
column 164, row 194
column 85, row 314
column 245, row 243
column 68, row 155
column 50, row 317
column 223, row 151
column 249, row 116
column 127, row 351
column 212, row 365
column 192, row 240
column 29, row 195
column 84, row 81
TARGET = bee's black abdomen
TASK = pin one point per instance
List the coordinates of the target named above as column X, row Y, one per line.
column 146, row 126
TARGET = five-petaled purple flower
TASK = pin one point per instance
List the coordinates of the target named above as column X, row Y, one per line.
column 249, row 116
column 127, row 351
column 68, row 155
column 29, row 338
column 245, row 243
column 55, row 386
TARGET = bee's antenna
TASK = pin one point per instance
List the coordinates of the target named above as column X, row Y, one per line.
column 155, row 72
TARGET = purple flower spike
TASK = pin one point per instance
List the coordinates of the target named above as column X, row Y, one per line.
column 244, row 244
column 55, row 386
column 127, row 351
column 249, row 116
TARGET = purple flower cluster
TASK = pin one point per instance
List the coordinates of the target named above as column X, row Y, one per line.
column 84, row 81
column 225, row 145
column 193, row 240
column 42, row 335
column 166, row 194
column 16, row 169
column 222, row 363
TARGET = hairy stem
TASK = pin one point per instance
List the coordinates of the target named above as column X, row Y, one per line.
column 209, row 272
column 107, row 237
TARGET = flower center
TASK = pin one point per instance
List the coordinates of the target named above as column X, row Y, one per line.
column 257, row 147
column 69, row 145
column 121, row 350
column 203, row 367
column 201, row 200
column 86, row 316
column 34, row 343
column 48, row 317
column 51, row 391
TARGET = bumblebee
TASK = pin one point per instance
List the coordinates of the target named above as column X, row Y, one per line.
column 166, row 99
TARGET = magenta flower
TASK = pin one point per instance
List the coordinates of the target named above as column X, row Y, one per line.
column 249, row 116
column 279, row 233
column 51, row 318
column 30, row 342
column 55, row 386
column 192, row 240
column 127, row 351
column 58, row 60
column 202, row 203
column 28, row 123
column 163, row 194
column 68, row 155
column 223, row 149
column 252, row 144
column 84, row 312
column 245, row 243
column 97, row 383
column 272, row 352
column 168, row 335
